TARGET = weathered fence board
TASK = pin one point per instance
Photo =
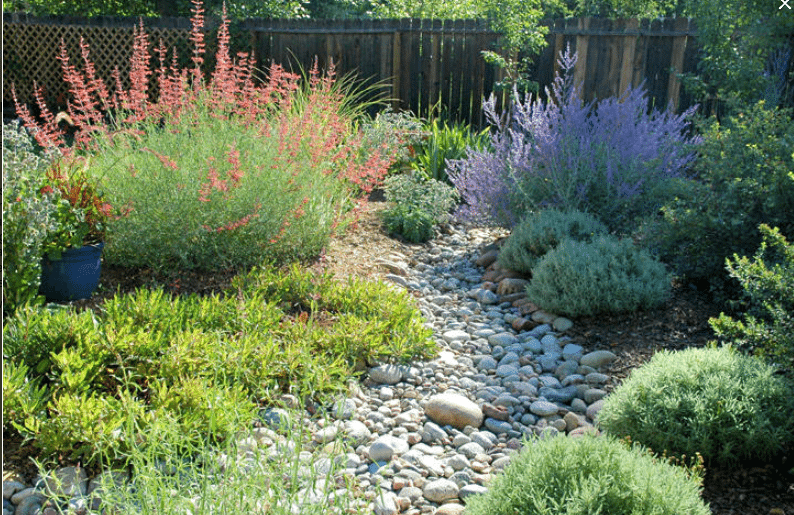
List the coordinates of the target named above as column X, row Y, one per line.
column 419, row 62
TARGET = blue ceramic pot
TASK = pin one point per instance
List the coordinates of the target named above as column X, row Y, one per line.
column 75, row 276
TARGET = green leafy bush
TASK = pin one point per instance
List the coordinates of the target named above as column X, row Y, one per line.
column 588, row 475
column 745, row 179
column 201, row 362
column 768, row 283
column 419, row 204
column 28, row 218
column 714, row 401
column 445, row 141
column 541, row 232
column 606, row 275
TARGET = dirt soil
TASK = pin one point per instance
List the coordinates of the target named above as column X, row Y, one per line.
column 749, row 489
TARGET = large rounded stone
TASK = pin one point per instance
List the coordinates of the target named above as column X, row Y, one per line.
column 597, row 359
column 386, row 374
column 450, row 509
column 454, row 410
column 543, row 408
column 387, row 446
column 440, row 490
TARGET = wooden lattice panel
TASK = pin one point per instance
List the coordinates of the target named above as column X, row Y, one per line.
column 31, row 55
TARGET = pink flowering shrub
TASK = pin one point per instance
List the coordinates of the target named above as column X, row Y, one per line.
column 225, row 170
column 612, row 159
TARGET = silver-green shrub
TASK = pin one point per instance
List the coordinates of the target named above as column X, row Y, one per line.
column 606, row 275
column 542, row 231
column 714, row 401
column 589, row 475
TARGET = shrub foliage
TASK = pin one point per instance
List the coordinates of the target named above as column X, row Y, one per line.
column 587, row 475
column 220, row 171
column 612, row 159
column 744, row 179
column 607, row 275
column 541, row 232
column 419, row 204
column 768, row 283
column 714, row 401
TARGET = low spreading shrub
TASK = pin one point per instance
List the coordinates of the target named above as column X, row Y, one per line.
column 744, row 179
column 541, row 232
column 606, row 275
column 587, row 475
column 768, row 283
column 611, row 159
column 714, row 401
column 419, row 204
column 202, row 362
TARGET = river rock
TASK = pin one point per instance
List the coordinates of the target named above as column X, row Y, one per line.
column 454, row 410
column 597, row 359
column 440, row 490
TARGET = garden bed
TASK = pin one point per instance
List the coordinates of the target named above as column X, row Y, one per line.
column 682, row 322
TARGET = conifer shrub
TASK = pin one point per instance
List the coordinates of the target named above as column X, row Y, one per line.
column 606, row 275
column 588, row 475
column 541, row 232
column 714, row 401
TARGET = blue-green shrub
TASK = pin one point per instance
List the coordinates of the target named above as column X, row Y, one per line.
column 606, row 275
column 540, row 232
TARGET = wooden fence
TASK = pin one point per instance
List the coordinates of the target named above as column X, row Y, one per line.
column 420, row 62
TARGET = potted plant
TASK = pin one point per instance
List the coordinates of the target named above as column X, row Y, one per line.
column 72, row 252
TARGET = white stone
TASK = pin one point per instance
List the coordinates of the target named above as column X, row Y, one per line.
column 386, row 504
column 386, row 374
column 456, row 336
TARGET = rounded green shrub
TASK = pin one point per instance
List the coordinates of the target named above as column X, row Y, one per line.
column 540, row 232
column 714, row 401
column 589, row 475
column 607, row 275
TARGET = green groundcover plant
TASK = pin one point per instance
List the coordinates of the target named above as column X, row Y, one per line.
column 220, row 171
column 74, row 381
column 587, row 476
column 717, row 402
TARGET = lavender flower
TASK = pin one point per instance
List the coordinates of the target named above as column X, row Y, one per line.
column 607, row 158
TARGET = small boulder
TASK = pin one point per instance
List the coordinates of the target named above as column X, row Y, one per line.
column 455, row 410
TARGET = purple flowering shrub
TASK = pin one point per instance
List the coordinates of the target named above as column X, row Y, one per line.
column 612, row 159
